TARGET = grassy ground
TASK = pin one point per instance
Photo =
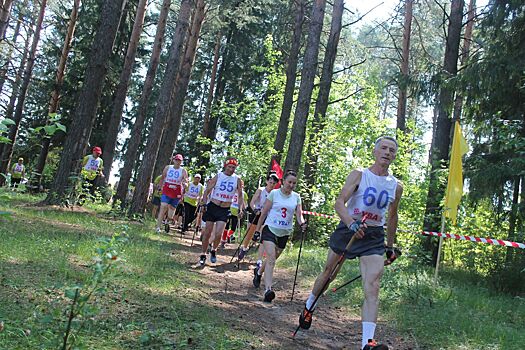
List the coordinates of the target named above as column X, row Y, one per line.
column 149, row 302
column 151, row 298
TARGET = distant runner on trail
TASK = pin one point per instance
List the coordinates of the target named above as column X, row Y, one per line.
column 257, row 203
column 18, row 171
column 174, row 178
column 277, row 225
column 92, row 166
column 223, row 188
column 155, row 197
column 233, row 219
column 374, row 192
column 192, row 197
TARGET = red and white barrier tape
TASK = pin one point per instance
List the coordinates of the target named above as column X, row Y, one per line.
column 305, row 212
column 492, row 241
column 475, row 239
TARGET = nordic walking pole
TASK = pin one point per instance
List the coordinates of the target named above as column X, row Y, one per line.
column 387, row 262
column 239, row 247
column 303, row 233
column 196, row 225
column 336, row 267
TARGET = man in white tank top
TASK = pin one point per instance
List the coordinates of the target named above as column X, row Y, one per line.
column 223, row 188
column 376, row 193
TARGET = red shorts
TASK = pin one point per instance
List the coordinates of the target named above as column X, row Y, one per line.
column 172, row 190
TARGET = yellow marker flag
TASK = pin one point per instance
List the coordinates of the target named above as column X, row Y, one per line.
column 455, row 175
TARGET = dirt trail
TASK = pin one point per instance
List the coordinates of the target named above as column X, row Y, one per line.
column 230, row 289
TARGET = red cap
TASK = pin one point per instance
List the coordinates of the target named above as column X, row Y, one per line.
column 97, row 150
column 231, row 161
column 178, row 157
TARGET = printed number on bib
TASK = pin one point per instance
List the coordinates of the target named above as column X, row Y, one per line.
column 369, row 198
column 226, row 186
column 283, row 212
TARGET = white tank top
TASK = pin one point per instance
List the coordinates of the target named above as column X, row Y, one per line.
column 283, row 208
column 92, row 163
column 262, row 199
column 174, row 176
column 225, row 188
column 193, row 191
column 372, row 197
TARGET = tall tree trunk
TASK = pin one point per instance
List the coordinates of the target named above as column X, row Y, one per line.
column 28, row 71
column 15, row 89
column 10, row 50
column 402, row 99
column 465, row 53
column 79, row 131
column 291, row 75
column 169, row 139
column 209, row 131
column 122, row 89
column 321, row 105
column 5, row 10
column 295, row 148
column 59, row 80
column 158, row 125
column 441, row 137
column 135, row 138
column 513, row 217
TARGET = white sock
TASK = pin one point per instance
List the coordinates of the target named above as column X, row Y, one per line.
column 369, row 329
column 310, row 302
column 259, row 263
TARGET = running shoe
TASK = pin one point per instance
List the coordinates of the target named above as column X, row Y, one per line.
column 269, row 295
column 305, row 318
column 202, row 260
column 256, row 277
column 213, row 256
column 158, row 230
column 256, row 236
column 373, row 345
column 242, row 253
column 167, row 228
column 223, row 245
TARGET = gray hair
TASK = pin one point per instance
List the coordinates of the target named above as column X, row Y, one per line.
column 381, row 138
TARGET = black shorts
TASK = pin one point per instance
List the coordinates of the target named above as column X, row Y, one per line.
column 233, row 222
column 373, row 243
column 254, row 218
column 267, row 235
column 180, row 208
column 15, row 180
column 155, row 201
column 215, row 213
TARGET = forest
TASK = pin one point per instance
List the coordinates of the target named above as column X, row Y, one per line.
column 310, row 85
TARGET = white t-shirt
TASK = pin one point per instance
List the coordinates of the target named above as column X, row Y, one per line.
column 280, row 217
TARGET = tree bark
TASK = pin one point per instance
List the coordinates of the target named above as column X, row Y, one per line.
column 59, row 80
column 321, row 105
column 441, row 137
column 79, row 132
column 465, row 53
column 402, row 99
column 209, row 131
column 16, row 32
column 122, row 89
column 291, row 75
column 135, row 138
column 28, row 71
column 5, row 10
column 169, row 139
column 158, row 125
column 513, row 217
column 295, row 148
column 14, row 92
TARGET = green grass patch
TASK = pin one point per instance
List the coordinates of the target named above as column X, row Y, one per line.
column 151, row 301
